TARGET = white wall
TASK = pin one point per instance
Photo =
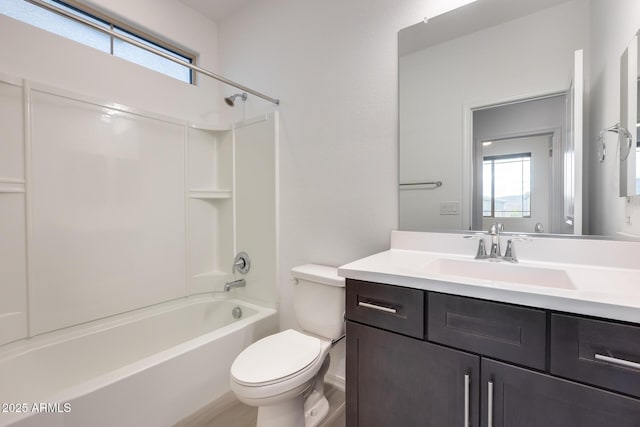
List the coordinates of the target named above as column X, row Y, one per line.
column 517, row 59
column 333, row 64
column 614, row 25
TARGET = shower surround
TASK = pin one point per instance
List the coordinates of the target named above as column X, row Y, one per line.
column 107, row 210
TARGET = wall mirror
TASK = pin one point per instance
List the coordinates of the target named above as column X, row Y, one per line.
column 629, row 150
column 490, row 113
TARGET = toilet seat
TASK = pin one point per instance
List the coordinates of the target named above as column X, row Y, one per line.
column 276, row 359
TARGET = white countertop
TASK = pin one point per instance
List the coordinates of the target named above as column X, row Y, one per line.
column 594, row 290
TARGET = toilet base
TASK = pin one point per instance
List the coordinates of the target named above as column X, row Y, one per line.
column 293, row 413
column 316, row 405
column 288, row 413
column 305, row 409
column 316, row 413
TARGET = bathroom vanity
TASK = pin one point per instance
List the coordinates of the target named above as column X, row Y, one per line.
column 431, row 346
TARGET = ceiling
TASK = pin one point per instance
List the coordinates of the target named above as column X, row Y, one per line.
column 216, row 10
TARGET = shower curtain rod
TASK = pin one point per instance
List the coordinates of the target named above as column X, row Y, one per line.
column 136, row 43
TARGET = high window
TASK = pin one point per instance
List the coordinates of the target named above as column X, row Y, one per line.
column 506, row 186
column 82, row 33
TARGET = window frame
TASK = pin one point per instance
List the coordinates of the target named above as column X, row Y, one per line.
column 116, row 24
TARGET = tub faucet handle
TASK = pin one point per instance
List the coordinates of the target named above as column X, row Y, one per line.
column 242, row 263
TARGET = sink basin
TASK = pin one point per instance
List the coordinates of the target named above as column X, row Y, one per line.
column 501, row 272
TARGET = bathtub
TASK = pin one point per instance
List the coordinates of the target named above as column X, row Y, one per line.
column 151, row 367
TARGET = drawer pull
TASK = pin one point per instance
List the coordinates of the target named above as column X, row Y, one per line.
column 490, row 404
column 620, row 362
column 467, row 381
column 377, row 307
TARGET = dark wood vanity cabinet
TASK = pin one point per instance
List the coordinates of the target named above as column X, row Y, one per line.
column 597, row 352
column 480, row 364
column 396, row 380
column 508, row 332
column 520, row 397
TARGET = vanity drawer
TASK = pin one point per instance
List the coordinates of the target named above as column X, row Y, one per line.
column 597, row 352
column 503, row 331
column 387, row 307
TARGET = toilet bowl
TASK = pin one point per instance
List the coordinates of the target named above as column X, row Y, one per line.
column 279, row 370
column 283, row 374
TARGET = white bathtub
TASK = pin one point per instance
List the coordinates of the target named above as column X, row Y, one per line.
column 151, row 367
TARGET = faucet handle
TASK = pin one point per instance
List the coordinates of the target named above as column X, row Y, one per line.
column 482, row 250
column 510, row 252
column 241, row 263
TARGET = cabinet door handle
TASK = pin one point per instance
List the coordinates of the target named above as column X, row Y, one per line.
column 616, row 361
column 490, row 404
column 467, row 381
column 377, row 307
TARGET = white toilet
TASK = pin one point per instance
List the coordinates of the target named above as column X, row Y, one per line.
column 283, row 374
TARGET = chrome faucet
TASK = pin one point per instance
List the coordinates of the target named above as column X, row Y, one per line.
column 240, row 283
column 494, row 232
column 495, row 253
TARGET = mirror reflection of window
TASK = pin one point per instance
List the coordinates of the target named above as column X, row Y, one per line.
column 507, row 186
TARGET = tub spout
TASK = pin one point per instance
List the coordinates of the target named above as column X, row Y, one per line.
column 240, row 283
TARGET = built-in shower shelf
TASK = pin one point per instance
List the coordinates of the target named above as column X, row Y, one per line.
column 211, row 274
column 210, row 194
column 209, row 128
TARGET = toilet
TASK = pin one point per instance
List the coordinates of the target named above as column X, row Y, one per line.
column 283, row 374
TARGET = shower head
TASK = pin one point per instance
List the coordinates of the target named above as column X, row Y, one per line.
column 230, row 100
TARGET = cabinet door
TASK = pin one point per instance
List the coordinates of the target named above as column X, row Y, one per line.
column 393, row 380
column 518, row 397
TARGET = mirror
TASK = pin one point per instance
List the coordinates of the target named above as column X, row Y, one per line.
column 629, row 120
column 489, row 93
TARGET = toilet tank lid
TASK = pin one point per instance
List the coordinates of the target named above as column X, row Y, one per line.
column 318, row 273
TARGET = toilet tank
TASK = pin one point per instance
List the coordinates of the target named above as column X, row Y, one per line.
column 319, row 300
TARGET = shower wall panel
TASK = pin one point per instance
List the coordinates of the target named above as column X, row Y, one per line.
column 108, row 211
column 256, row 199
